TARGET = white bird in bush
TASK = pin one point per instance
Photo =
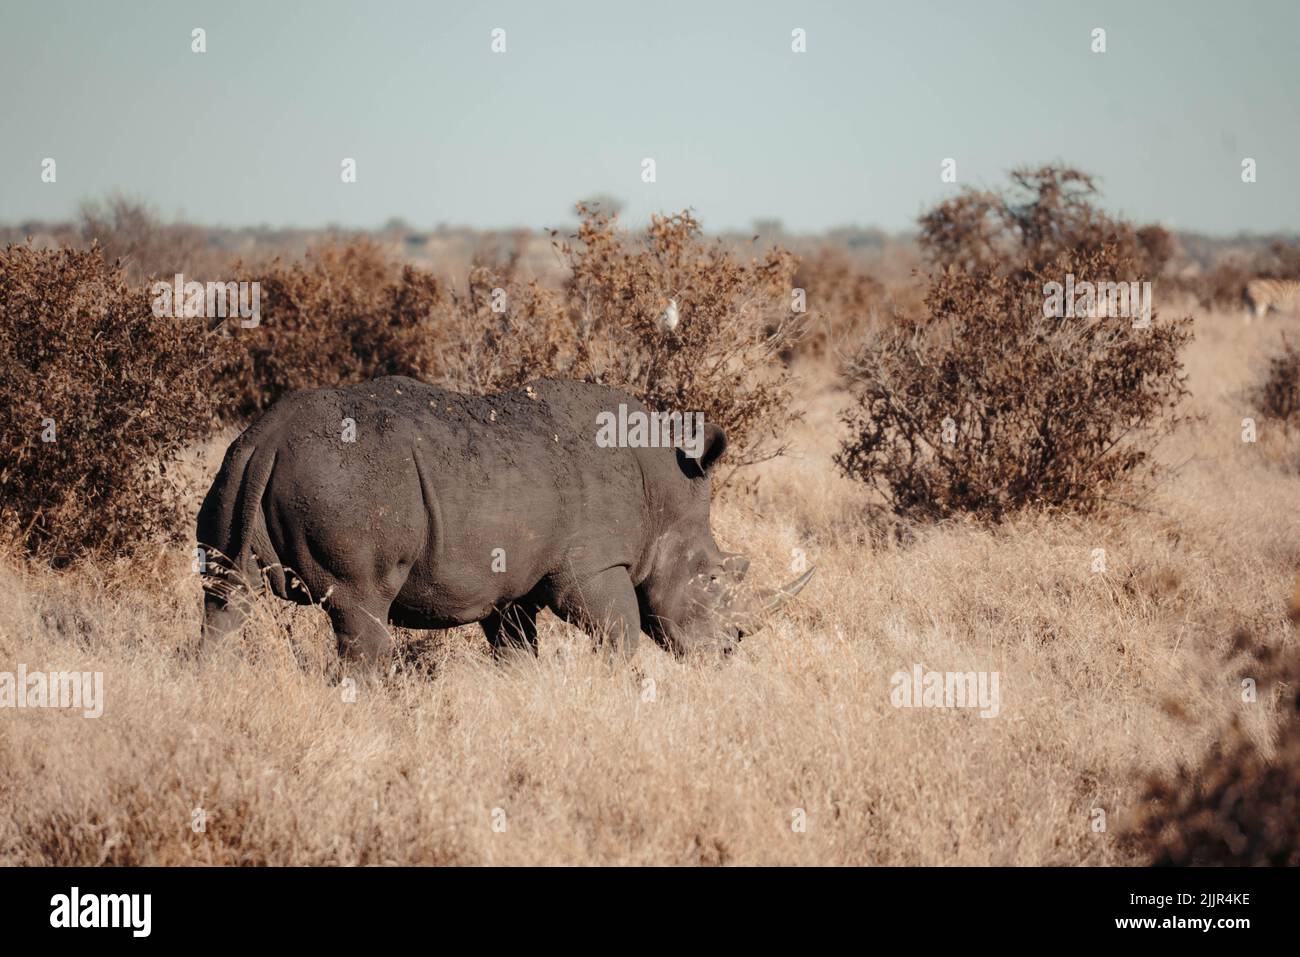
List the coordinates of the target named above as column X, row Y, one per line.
column 668, row 321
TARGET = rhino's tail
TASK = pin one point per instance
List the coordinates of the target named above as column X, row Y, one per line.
column 232, row 527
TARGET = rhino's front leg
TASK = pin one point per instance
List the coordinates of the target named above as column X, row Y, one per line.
column 514, row 627
column 223, row 613
column 605, row 606
column 361, row 632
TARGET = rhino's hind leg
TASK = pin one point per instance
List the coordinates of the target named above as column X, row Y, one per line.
column 223, row 614
column 606, row 607
column 512, row 628
column 227, row 603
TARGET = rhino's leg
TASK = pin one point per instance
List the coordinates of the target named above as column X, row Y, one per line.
column 512, row 628
column 605, row 606
column 359, row 627
column 227, row 602
column 222, row 615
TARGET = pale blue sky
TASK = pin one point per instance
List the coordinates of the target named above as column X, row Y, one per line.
column 443, row 130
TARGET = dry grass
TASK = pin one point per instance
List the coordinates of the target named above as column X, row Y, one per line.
column 1105, row 679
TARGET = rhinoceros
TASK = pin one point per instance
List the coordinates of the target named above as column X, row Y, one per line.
column 392, row 501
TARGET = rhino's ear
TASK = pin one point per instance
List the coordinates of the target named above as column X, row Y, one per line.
column 715, row 443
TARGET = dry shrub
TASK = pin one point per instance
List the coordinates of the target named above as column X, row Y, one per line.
column 735, row 320
column 501, row 332
column 1281, row 262
column 844, row 301
column 986, row 406
column 1240, row 807
column 1278, row 396
column 1046, row 219
column 1223, row 286
column 1156, row 247
column 124, row 390
column 130, row 231
column 346, row 313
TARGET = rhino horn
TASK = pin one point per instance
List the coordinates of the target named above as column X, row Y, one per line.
column 771, row 599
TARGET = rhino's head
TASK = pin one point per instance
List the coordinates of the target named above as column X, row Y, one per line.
column 694, row 599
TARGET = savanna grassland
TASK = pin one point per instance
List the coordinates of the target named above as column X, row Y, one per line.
column 1117, row 667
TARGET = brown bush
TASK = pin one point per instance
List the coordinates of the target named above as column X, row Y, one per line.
column 1278, row 396
column 736, row 317
column 1281, row 262
column 1222, row 283
column 130, row 231
column 986, row 406
column 1222, row 286
column 346, row 313
column 1238, row 807
column 1157, row 246
column 844, row 302
column 1045, row 220
column 342, row 314
column 500, row 333
column 82, row 354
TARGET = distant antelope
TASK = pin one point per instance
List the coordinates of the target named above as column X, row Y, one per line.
column 1280, row 294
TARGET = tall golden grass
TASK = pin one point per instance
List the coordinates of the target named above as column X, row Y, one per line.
column 1107, row 678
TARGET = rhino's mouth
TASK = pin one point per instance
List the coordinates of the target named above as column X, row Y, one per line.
column 736, row 614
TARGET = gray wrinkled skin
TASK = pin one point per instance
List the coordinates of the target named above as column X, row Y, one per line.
column 403, row 524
